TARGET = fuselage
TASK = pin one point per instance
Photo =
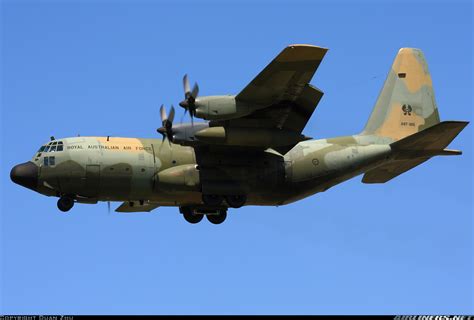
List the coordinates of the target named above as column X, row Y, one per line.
column 92, row 169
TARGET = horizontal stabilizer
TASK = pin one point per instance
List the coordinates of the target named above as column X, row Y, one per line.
column 433, row 139
column 135, row 206
column 415, row 149
column 390, row 170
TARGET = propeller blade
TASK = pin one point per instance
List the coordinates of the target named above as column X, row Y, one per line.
column 195, row 91
column 171, row 115
column 108, row 206
column 161, row 130
column 189, row 99
column 187, row 89
column 163, row 138
column 163, row 113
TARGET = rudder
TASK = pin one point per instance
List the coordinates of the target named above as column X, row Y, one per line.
column 406, row 104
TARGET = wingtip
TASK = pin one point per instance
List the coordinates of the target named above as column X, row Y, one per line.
column 307, row 46
column 300, row 52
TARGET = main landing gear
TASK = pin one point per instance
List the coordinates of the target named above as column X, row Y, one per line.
column 234, row 201
column 65, row 203
column 195, row 215
column 218, row 217
column 190, row 215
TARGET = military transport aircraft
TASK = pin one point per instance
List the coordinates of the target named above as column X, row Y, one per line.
column 251, row 150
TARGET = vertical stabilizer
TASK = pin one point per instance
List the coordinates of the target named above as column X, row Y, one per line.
column 406, row 104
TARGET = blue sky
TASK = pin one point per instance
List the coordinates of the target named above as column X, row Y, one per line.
column 105, row 67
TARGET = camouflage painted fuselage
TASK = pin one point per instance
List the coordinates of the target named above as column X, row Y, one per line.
column 251, row 152
column 129, row 169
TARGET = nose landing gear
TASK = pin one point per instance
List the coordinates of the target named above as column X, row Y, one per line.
column 65, row 203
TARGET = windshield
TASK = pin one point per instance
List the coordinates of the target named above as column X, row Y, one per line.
column 53, row 146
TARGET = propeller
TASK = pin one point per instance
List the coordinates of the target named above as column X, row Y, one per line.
column 189, row 97
column 167, row 123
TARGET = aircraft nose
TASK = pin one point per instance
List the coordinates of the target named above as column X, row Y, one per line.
column 25, row 174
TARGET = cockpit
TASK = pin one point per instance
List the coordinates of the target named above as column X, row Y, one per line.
column 53, row 146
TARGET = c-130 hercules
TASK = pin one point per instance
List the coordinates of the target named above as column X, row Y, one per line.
column 251, row 151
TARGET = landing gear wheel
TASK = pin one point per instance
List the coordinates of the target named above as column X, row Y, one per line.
column 212, row 199
column 190, row 216
column 217, row 218
column 65, row 203
column 236, row 201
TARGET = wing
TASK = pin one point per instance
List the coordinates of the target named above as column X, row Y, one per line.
column 285, row 78
column 271, row 112
column 283, row 89
column 282, row 96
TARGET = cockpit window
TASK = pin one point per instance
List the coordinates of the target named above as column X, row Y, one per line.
column 53, row 146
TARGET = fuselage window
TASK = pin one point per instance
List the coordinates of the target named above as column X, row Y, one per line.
column 52, row 161
column 46, row 161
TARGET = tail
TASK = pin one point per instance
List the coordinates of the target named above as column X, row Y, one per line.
column 406, row 104
column 406, row 114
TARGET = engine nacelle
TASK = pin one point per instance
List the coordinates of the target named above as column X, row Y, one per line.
column 184, row 134
column 180, row 178
column 221, row 108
